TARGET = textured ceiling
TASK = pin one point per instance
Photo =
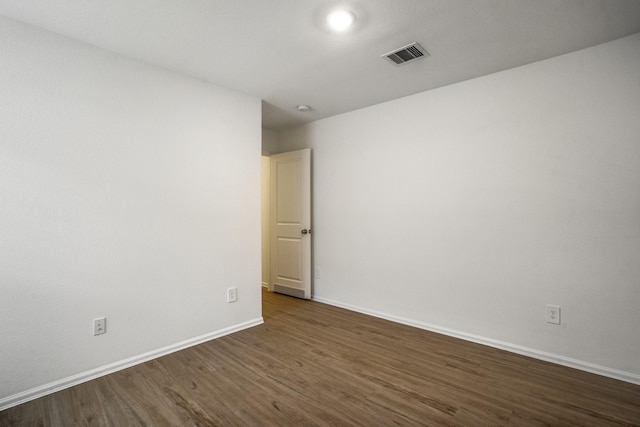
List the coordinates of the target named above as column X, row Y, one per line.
column 281, row 52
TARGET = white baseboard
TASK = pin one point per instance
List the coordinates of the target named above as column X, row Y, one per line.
column 82, row 377
column 265, row 285
column 513, row 348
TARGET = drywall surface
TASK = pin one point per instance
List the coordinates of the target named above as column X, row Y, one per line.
column 471, row 207
column 266, row 222
column 269, row 146
column 269, row 142
column 126, row 191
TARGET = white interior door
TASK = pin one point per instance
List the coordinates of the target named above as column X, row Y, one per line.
column 291, row 223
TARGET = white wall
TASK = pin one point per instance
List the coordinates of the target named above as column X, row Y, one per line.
column 126, row 191
column 269, row 146
column 468, row 208
column 269, row 141
column 266, row 221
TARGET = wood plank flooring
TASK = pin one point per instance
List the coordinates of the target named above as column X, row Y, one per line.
column 314, row 364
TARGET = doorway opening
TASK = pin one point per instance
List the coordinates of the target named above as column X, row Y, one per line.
column 286, row 223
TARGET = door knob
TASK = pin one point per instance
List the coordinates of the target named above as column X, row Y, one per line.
column 305, row 231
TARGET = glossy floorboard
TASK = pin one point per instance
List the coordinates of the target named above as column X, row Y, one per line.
column 313, row 364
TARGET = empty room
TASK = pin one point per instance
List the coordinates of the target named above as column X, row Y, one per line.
column 317, row 212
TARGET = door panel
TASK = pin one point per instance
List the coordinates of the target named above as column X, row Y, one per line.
column 291, row 223
column 290, row 261
column 289, row 193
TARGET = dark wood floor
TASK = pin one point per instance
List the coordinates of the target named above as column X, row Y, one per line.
column 313, row 364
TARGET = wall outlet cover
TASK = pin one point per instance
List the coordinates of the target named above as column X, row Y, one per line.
column 232, row 294
column 553, row 314
column 100, row 326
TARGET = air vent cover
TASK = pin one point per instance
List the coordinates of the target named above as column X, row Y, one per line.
column 405, row 54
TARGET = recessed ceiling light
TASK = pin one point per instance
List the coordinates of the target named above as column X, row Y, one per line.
column 341, row 20
column 303, row 108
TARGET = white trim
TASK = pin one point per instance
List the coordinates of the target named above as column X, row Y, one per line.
column 265, row 285
column 82, row 377
column 513, row 348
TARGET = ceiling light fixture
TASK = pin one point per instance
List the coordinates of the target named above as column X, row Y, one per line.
column 303, row 108
column 341, row 20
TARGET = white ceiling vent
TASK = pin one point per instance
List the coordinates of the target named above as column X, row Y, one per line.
column 407, row 53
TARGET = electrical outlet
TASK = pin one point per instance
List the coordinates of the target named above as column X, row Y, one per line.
column 317, row 272
column 100, row 326
column 553, row 314
column 232, row 294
